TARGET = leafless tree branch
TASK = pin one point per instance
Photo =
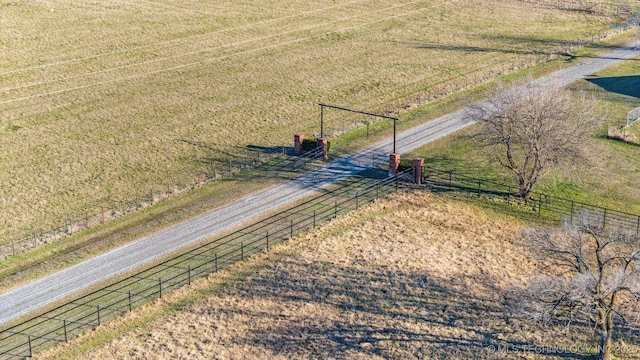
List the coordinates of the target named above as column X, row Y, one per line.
column 527, row 129
column 593, row 272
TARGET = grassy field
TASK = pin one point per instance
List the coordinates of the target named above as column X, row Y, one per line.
column 105, row 103
column 608, row 179
column 397, row 279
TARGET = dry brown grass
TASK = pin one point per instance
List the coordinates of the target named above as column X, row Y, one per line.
column 415, row 276
column 97, row 97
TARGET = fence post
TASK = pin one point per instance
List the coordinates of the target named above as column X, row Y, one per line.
column 314, row 219
column 539, row 203
column 356, row 200
column 571, row 211
column 64, row 324
column 335, row 209
column 130, row 308
column 241, row 250
column 291, row 230
column 216, row 261
column 160, row 286
column 30, row 349
column 98, row 307
column 450, row 172
column 189, row 274
column 267, row 240
column 377, row 191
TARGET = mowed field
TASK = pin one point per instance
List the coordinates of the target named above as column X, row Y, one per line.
column 415, row 276
column 106, row 102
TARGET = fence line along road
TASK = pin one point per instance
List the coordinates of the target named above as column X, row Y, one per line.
column 548, row 206
column 39, row 293
column 89, row 311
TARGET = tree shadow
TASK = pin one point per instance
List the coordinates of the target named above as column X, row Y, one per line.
column 389, row 314
column 220, row 161
column 270, row 149
column 444, row 162
column 625, row 85
column 238, row 150
column 539, row 46
column 374, row 173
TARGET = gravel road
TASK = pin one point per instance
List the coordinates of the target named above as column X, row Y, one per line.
column 31, row 296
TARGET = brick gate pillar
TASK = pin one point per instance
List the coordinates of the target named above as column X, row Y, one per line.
column 418, row 166
column 298, row 138
column 324, row 144
column 394, row 163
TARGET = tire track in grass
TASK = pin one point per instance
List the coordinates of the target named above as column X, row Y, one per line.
column 64, row 62
column 200, row 51
column 204, row 61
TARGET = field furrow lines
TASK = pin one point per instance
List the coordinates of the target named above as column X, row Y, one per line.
column 154, row 103
column 182, row 54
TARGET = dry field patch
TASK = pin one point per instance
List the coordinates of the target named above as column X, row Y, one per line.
column 413, row 276
column 106, row 102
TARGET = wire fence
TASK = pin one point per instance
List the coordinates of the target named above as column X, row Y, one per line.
column 633, row 116
column 551, row 207
column 275, row 162
column 91, row 310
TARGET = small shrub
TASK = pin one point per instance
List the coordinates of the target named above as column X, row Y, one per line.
column 12, row 127
column 309, row 144
column 405, row 165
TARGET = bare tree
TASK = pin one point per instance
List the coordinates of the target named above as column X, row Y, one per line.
column 591, row 275
column 528, row 129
